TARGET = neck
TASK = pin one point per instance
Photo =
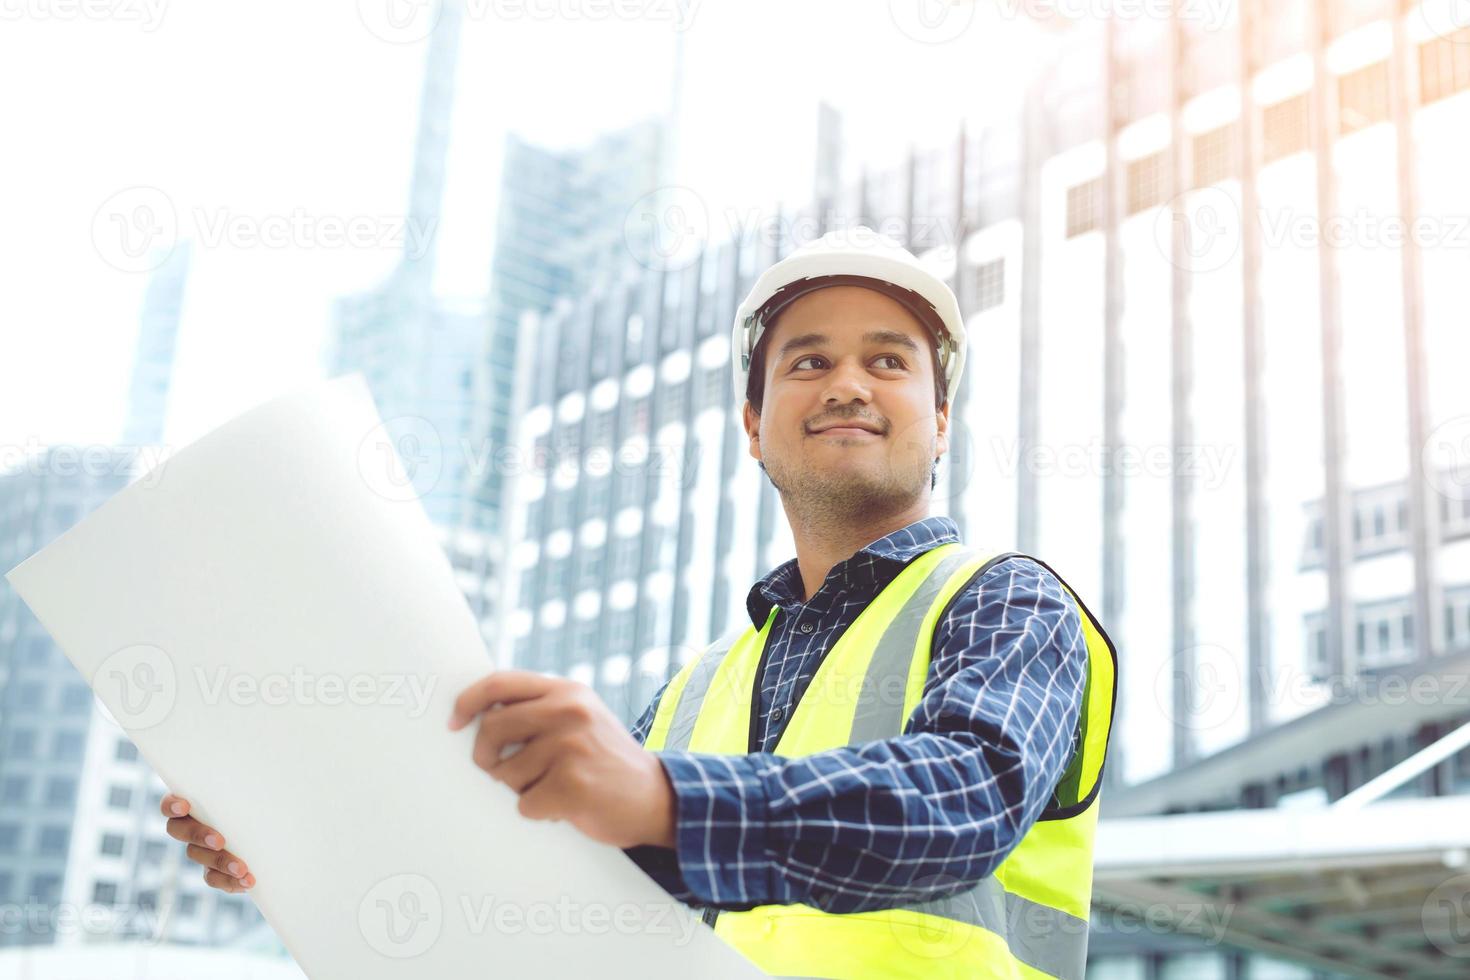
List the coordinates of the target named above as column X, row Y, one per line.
column 821, row 544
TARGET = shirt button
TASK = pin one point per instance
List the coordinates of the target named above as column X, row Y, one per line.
column 777, row 713
column 807, row 627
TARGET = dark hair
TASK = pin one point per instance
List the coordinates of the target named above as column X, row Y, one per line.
column 755, row 386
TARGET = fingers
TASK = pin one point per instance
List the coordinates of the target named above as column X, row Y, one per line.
column 498, row 729
column 191, row 831
column 223, row 869
column 226, row 861
column 505, row 686
column 225, row 883
column 521, row 771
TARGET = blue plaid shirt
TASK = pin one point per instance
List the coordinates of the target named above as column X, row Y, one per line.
column 910, row 818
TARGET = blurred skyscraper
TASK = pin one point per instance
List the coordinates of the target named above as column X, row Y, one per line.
column 561, row 223
column 153, row 365
column 419, row 354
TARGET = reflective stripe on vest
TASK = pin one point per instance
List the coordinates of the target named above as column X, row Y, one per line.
column 1029, row 917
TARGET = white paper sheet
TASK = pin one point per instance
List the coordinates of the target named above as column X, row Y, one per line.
column 271, row 619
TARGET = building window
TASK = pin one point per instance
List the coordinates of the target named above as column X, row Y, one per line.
column 126, row 751
column 1380, row 521
column 61, row 791
column 119, row 797
column 153, row 852
column 1444, row 66
column 591, row 568
column 1362, row 98
column 712, row 386
column 602, row 427
column 1214, row 155
column 53, row 841
column 22, row 743
column 620, row 635
column 45, row 888
column 15, row 789
column 1457, row 618
column 1317, row 664
column 1145, row 183
column 541, row 461
column 1385, row 633
column 28, row 695
column 990, row 284
column 76, row 698
column 112, row 845
column 671, row 402
column 67, row 746
column 638, row 416
column 625, row 557
column 561, row 509
column 1084, row 207
column 1285, row 126
column 104, row 893
column 9, row 838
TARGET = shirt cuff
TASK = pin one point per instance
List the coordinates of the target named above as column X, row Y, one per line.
column 662, row 865
column 721, row 827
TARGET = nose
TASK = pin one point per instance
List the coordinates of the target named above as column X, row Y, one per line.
column 846, row 381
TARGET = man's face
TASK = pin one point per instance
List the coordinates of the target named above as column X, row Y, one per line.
column 845, row 354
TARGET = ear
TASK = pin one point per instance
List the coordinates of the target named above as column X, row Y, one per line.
column 752, row 423
column 941, row 430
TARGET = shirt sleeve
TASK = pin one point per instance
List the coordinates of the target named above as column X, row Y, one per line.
column 659, row 863
column 915, row 817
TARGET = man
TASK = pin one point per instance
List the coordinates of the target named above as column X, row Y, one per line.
column 893, row 768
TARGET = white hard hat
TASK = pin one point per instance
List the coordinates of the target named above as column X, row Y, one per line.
column 857, row 256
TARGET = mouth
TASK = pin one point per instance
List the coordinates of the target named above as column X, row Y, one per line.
column 849, row 431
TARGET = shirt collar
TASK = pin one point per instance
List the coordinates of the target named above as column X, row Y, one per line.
column 881, row 560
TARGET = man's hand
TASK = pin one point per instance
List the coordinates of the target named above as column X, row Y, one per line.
column 222, row 869
column 577, row 761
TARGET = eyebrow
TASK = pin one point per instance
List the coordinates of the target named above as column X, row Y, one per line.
column 808, row 340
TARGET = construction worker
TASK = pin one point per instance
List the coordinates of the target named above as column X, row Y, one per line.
column 893, row 769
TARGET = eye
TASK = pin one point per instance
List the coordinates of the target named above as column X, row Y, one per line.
column 796, row 365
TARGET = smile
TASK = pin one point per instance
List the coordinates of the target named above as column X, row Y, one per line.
column 846, row 430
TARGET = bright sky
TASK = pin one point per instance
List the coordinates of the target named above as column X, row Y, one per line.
column 252, row 114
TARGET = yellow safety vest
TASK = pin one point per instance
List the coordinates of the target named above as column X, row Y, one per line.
column 1029, row 917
